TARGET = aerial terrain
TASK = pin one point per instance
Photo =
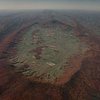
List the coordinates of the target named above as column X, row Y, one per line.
column 50, row 55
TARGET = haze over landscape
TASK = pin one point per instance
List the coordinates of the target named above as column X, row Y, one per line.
column 49, row 50
column 50, row 4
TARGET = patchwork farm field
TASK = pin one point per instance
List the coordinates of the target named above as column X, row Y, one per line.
column 49, row 55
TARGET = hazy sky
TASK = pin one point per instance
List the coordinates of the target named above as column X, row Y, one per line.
column 50, row 4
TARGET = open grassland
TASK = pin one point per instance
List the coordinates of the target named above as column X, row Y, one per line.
column 45, row 52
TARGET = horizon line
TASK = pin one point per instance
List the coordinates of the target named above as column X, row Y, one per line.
column 49, row 9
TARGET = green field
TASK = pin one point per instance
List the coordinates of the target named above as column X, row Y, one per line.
column 43, row 52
